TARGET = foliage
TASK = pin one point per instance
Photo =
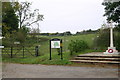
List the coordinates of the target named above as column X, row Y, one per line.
column 112, row 11
column 6, row 42
column 20, row 36
column 87, row 32
column 9, row 19
column 77, row 46
column 67, row 33
column 117, row 41
column 102, row 40
column 16, row 36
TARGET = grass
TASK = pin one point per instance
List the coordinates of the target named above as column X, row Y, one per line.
column 86, row 37
column 45, row 59
column 44, row 51
column 44, row 46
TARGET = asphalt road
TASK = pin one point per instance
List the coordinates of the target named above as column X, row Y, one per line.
column 44, row 71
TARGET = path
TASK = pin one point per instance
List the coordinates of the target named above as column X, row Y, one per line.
column 44, row 71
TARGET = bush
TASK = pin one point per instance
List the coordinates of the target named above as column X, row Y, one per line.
column 77, row 46
column 117, row 41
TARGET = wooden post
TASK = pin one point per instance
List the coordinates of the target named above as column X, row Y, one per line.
column 23, row 51
column 11, row 52
column 61, row 49
column 36, row 51
column 50, row 51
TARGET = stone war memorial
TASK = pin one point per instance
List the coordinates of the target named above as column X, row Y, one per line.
column 111, row 49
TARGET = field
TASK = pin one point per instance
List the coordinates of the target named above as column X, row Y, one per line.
column 44, row 52
column 66, row 40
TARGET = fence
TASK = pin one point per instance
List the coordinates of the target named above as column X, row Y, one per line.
column 21, row 51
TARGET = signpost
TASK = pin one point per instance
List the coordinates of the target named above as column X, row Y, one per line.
column 56, row 44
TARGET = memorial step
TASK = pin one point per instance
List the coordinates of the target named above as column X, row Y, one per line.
column 97, row 58
column 93, row 61
column 102, row 56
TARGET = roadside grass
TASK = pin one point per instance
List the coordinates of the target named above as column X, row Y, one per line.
column 44, row 59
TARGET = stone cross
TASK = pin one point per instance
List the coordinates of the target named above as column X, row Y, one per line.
column 111, row 34
column 111, row 49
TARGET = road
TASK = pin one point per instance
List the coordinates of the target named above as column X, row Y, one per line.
column 11, row 70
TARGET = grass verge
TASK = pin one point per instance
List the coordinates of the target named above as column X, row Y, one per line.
column 44, row 59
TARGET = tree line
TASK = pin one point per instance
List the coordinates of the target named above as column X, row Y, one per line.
column 67, row 33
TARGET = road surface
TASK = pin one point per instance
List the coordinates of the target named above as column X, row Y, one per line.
column 11, row 70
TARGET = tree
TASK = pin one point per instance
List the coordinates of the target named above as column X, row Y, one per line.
column 112, row 11
column 34, row 32
column 102, row 41
column 26, row 17
column 67, row 33
column 117, row 41
column 9, row 19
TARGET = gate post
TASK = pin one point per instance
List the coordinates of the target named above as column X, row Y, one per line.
column 23, row 51
column 11, row 52
column 50, row 51
column 36, row 51
column 61, row 50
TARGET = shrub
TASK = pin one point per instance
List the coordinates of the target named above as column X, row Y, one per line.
column 77, row 46
column 117, row 41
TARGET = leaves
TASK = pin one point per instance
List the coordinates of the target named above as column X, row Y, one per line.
column 112, row 11
column 77, row 46
column 9, row 18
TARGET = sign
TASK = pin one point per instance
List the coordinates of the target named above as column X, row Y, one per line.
column 16, row 42
column 55, row 44
column 1, row 47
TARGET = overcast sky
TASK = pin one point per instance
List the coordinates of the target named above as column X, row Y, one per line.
column 69, row 15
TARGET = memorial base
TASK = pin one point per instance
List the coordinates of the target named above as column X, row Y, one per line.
column 111, row 50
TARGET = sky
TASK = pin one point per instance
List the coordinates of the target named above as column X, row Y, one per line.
column 69, row 15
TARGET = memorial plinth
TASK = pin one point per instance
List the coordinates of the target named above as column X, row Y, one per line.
column 111, row 50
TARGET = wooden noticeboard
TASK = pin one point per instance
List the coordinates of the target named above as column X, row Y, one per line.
column 54, row 44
